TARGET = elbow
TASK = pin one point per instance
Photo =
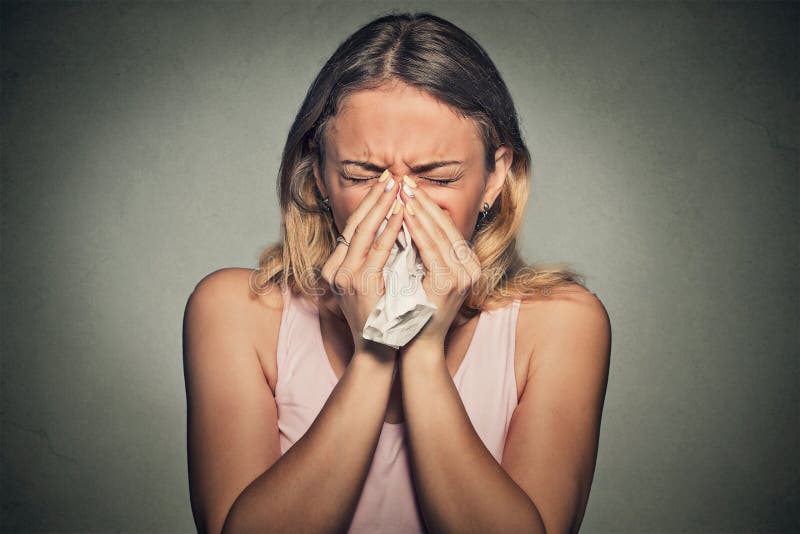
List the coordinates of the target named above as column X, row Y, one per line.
column 534, row 522
column 236, row 523
column 229, row 524
column 213, row 523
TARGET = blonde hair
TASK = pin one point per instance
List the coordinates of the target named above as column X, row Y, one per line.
column 457, row 72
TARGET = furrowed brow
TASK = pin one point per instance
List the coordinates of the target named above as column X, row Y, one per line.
column 416, row 169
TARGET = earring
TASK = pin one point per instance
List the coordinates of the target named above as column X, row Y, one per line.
column 327, row 202
column 485, row 212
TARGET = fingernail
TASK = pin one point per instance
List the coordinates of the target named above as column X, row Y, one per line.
column 408, row 190
column 397, row 207
column 389, row 185
column 384, row 176
column 410, row 209
column 409, row 181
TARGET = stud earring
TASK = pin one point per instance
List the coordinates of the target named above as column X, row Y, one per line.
column 482, row 216
column 484, row 212
column 327, row 202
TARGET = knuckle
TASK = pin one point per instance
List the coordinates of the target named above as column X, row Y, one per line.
column 463, row 251
column 464, row 281
column 359, row 281
column 341, row 279
column 475, row 276
column 327, row 272
column 380, row 245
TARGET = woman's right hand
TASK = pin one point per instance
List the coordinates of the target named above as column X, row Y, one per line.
column 355, row 272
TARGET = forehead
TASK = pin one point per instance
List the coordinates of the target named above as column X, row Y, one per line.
column 402, row 123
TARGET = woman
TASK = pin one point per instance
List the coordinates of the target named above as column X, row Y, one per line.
column 489, row 418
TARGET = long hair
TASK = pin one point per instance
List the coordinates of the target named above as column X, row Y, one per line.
column 436, row 56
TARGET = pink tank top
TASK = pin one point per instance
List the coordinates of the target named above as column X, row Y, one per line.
column 484, row 379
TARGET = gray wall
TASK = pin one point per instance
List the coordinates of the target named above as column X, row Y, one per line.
column 140, row 149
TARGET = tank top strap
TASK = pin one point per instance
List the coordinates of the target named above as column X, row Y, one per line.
column 511, row 355
column 283, row 335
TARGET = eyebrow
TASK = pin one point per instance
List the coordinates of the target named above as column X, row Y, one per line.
column 425, row 167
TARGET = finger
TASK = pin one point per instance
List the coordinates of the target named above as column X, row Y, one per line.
column 366, row 205
column 444, row 274
column 382, row 246
column 445, row 222
column 452, row 246
column 363, row 235
column 461, row 248
column 363, row 208
column 429, row 251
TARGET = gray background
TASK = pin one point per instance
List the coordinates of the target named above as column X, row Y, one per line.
column 141, row 144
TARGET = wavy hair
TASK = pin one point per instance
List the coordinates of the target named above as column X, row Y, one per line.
column 434, row 55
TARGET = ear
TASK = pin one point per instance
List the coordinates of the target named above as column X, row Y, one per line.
column 318, row 178
column 503, row 158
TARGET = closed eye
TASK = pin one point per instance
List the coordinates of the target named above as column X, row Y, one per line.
column 435, row 180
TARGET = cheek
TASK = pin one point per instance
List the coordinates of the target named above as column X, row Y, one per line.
column 454, row 206
column 346, row 202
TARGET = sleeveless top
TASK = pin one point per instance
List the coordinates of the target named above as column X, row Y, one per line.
column 484, row 380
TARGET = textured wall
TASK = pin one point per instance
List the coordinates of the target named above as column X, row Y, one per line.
column 140, row 148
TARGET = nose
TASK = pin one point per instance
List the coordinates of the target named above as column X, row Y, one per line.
column 399, row 170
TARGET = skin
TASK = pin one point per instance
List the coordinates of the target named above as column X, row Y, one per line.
column 241, row 482
column 411, row 129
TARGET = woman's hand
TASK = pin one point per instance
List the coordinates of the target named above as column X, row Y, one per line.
column 355, row 272
column 451, row 266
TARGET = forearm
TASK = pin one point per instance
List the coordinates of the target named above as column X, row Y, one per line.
column 316, row 484
column 461, row 486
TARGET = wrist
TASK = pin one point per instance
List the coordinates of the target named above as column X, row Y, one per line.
column 376, row 351
column 424, row 350
column 424, row 345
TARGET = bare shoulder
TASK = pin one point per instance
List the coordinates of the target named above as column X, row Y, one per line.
column 569, row 311
column 259, row 314
column 566, row 296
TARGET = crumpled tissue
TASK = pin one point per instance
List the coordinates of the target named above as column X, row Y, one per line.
column 404, row 308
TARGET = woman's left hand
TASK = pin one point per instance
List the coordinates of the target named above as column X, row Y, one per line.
column 451, row 266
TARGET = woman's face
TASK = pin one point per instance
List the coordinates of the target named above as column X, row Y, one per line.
column 401, row 128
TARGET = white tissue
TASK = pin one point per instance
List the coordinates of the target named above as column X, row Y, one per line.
column 404, row 308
